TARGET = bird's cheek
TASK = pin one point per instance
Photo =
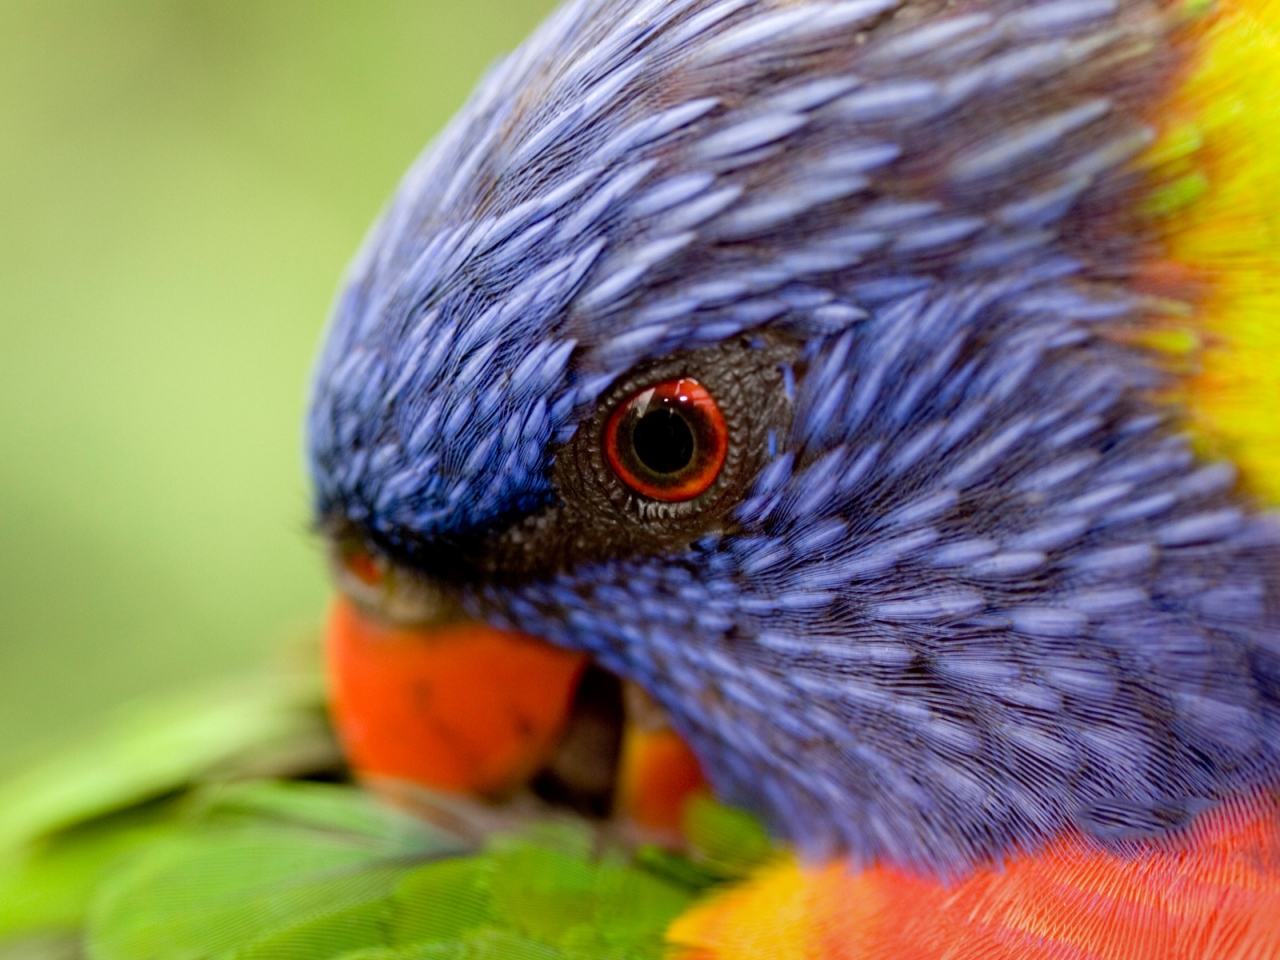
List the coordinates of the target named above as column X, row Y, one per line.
column 460, row 707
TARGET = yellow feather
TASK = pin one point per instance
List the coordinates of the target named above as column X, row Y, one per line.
column 1217, row 203
column 771, row 916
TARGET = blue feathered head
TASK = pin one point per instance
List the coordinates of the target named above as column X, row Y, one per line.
column 953, row 580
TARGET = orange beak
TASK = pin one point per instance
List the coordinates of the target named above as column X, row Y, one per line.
column 460, row 707
column 657, row 776
column 465, row 708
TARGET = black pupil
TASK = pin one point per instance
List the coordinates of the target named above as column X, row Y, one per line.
column 663, row 441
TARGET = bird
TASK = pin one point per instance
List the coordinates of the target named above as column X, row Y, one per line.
column 886, row 389
column 838, row 435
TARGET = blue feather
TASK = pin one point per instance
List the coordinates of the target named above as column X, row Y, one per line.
column 982, row 588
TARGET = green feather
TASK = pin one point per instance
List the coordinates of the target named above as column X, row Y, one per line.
column 138, row 847
column 234, row 886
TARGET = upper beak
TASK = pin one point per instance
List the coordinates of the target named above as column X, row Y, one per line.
column 459, row 706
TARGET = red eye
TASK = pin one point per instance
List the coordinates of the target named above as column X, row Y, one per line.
column 667, row 442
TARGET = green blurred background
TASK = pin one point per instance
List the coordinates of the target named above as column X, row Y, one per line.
column 181, row 183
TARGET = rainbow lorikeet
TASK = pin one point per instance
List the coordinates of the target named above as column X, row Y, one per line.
column 862, row 411
column 862, row 380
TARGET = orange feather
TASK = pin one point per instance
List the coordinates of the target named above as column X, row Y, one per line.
column 1212, row 895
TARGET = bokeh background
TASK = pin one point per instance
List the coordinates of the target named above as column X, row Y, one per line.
column 181, row 184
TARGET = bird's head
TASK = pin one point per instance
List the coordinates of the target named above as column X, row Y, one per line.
column 772, row 354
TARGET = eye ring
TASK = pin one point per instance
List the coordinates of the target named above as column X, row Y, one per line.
column 669, row 441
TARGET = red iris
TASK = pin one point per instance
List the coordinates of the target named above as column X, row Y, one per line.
column 668, row 442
